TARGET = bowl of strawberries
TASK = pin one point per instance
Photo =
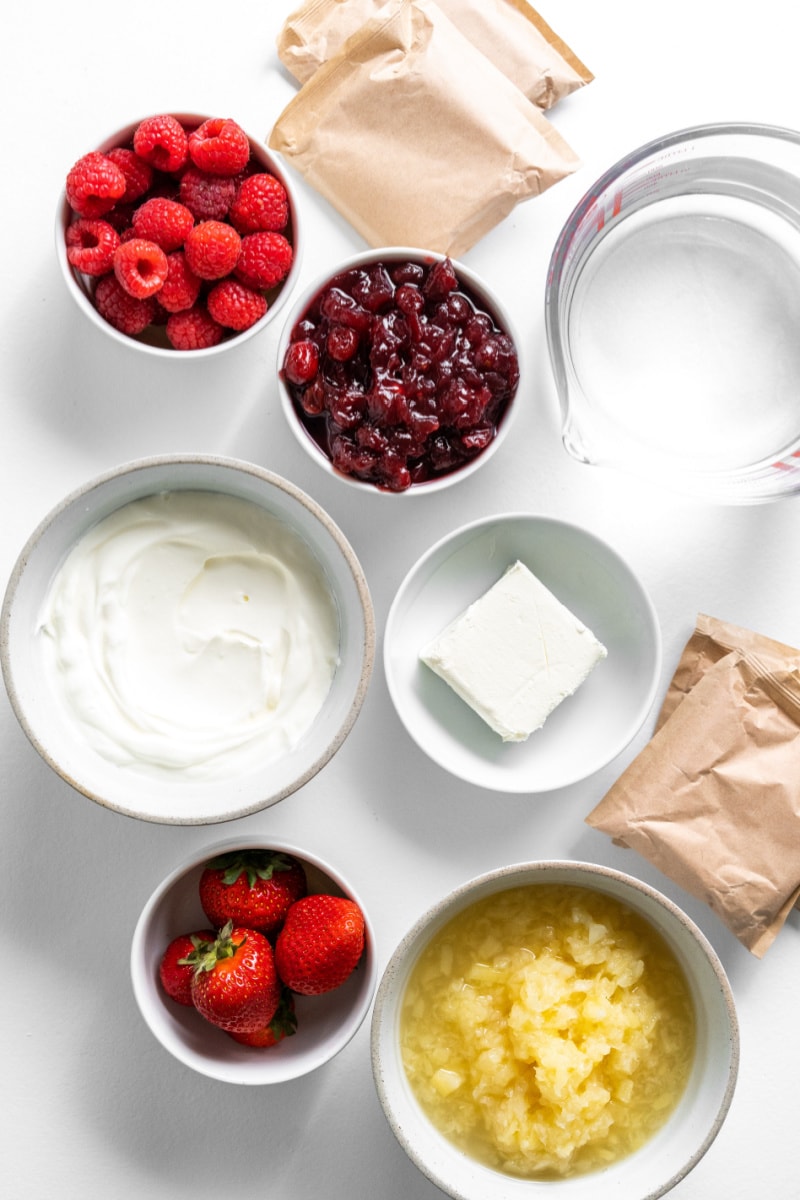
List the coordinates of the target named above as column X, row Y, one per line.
column 179, row 233
column 253, row 962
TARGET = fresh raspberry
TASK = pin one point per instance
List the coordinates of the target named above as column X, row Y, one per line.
column 235, row 305
column 94, row 185
column 138, row 174
column 220, row 147
column 162, row 142
column 208, row 197
column 121, row 216
column 261, row 203
column 265, row 259
column 91, row 245
column 193, row 329
column 123, row 311
column 165, row 222
column 212, row 249
column 181, row 287
column 140, row 266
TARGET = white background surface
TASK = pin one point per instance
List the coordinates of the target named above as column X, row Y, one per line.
column 93, row 1106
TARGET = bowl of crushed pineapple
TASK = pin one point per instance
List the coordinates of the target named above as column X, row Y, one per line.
column 553, row 1023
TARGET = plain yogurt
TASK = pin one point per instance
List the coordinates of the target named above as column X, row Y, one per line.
column 191, row 633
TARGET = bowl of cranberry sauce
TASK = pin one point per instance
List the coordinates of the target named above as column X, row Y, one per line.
column 398, row 371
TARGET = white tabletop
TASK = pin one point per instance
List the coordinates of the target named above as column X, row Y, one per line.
column 93, row 1105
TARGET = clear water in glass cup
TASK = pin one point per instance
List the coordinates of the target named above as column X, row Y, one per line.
column 673, row 314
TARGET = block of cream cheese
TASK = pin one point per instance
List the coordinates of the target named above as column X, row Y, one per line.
column 514, row 654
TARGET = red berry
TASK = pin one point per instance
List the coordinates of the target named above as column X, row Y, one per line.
column 120, row 309
column 140, row 266
column 138, row 174
column 220, row 147
column 260, row 204
column 301, row 363
column 320, row 943
column 91, row 245
column 265, row 259
column 162, row 142
column 176, row 976
column 235, row 305
column 121, row 216
column 163, row 221
column 282, row 1025
column 254, row 888
column 206, row 196
column 181, row 287
column 235, row 985
column 212, row 249
column 193, row 329
column 342, row 342
column 94, row 185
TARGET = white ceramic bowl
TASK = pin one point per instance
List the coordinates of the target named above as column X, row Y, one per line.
column 153, row 341
column 172, row 799
column 325, row 1024
column 586, row 730
column 393, row 255
column 664, row 1159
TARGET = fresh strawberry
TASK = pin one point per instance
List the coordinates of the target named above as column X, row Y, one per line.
column 282, row 1025
column 234, row 985
column 254, row 888
column 176, row 974
column 320, row 943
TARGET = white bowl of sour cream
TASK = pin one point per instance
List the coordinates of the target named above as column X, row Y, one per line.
column 187, row 639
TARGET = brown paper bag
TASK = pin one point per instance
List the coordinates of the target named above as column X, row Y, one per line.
column 713, row 800
column 415, row 137
column 509, row 32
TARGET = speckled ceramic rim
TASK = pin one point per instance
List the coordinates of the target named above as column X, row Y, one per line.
column 396, row 254
column 270, row 479
column 395, row 975
column 79, row 293
column 262, row 1070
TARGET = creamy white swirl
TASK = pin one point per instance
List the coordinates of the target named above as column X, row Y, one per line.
column 190, row 632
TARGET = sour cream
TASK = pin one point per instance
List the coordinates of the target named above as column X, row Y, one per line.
column 191, row 633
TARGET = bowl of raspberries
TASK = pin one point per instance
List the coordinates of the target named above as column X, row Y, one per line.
column 179, row 234
column 253, row 962
column 399, row 371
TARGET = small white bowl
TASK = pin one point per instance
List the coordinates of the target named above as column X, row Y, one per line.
column 587, row 729
column 673, row 1151
column 171, row 799
column 153, row 341
column 393, row 255
column 325, row 1024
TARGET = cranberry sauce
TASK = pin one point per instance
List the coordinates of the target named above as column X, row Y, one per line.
column 399, row 373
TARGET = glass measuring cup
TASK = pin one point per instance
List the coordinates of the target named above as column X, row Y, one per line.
column 672, row 312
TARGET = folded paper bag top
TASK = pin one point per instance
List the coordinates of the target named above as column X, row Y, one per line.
column 713, row 800
column 415, row 137
column 510, row 33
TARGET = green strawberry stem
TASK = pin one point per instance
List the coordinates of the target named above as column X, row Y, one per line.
column 255, row 864
column 284, row 1022
column 206, row 955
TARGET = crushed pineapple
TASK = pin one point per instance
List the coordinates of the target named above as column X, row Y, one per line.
column 547, row 1030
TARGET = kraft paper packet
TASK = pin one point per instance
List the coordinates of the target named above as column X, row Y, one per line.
column 416, row 138
column 713, row 800
column 510, row 33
